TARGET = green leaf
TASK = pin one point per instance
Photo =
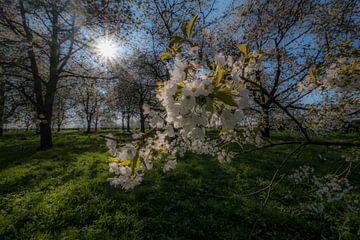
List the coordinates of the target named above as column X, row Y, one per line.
column 183, row 28
column 165, row 56
column 138, row 162
column 126, row 163
column 191, row 25
column 134, row 164
column 209, row 105
column 222, row 131
column 160, row 85
column 224, row 95
column 219, row 75
column 176, row 39
column 313, row 73
column 177, row 95
column 312, row 110
column 181, row 85
column 243, row 48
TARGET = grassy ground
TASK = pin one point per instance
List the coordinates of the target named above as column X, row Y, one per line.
column 63, row 194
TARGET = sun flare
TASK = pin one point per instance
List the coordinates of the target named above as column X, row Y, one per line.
column 107, row 49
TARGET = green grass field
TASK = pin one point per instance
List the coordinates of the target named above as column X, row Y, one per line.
column 62, row 193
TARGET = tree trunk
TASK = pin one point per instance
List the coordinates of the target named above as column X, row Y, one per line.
column 122, row 121
column 96, row 122
column 2, row 104
column 128, row 122
column 142, row 117
column 58, row 127
column 44, row 104
column 37, row 130
column 45, row 135
column 142, row 123
column 88, row 124
column 266, row 121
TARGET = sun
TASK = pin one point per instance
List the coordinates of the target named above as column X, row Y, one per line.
column 107, row 48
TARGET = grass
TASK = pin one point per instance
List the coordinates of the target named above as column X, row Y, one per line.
column 62, row 193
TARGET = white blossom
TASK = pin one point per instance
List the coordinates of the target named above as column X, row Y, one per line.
column 220, row 59
column 169, row 165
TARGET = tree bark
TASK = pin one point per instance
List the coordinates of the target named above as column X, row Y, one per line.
column 142, row 123
column 96, row 122
column 2, row 104
column 88, row 129
column 44, row 103
column 142, row 117
column 266, row 121
column 122, row 121
column 128, row 122
column 45, row 134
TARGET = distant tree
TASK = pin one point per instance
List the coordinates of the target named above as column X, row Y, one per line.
column 126, row 102
column 138, row 80
column 10, row 102
column 89, row 97
column 62, row 103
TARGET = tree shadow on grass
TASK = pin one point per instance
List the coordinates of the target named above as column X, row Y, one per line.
column 202, row 199
column 64, row 193
column 24, row 168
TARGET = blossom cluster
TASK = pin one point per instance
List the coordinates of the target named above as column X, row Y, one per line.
column 195, row 98
column 343, row 74
column 302, row 174
column 323, row 190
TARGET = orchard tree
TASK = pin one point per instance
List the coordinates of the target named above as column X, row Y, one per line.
column 48, row 35
column 287, row 40
column 26, row 117
column 139, row 80
column 10, row 102
column 62, row 104
column 195, row 98
column 89, row 97
column 125, row 101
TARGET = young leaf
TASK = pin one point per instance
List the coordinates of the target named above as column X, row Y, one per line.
column 313, row 73
column 165, row 56
column 224, row 95
column 126, row 163
column 181, row 85
column 191, row 25
column 113, row 159
column 134, row 164
column 243, row 48
column 160, row 84
column 176, row 39
column 183, row 28
column 219, row 75
column 209, row 105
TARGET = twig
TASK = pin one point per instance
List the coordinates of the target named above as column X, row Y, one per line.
column 303, row 143
column 270, row 187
